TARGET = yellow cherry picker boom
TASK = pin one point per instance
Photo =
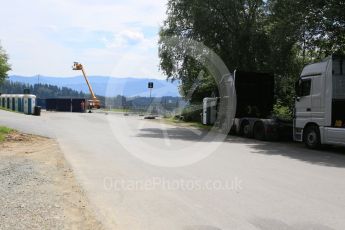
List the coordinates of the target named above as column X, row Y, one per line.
column 94, row 103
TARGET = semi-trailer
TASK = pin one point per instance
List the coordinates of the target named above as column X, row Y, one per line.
column 254, row 106
column 255, row 100
column 319, row 114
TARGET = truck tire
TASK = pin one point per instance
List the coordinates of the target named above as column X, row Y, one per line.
column 311, row 137
column 259, row 131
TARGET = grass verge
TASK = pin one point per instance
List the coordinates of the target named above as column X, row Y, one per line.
column 177, row 122
column 4, row 131
column 5, row 109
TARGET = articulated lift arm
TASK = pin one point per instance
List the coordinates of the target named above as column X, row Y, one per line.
column 96, row 102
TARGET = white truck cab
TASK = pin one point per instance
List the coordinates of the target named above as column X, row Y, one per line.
column 320, row 103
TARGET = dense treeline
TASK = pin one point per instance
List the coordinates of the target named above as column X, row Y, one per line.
column 42, row 91
column 276, row 36
column 121, row 102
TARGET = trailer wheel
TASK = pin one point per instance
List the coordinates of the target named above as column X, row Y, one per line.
column 259, row 131
column 311, row 137
column 245, row 129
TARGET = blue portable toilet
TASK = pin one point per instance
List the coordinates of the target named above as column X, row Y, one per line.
column 13, row 104
column 2, row 100
column 29, row 104
column 16, row 104
column 8, row 103
column 21, row 103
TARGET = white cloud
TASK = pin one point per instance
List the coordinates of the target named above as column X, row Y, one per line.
column 124, row 39
column 109, row 36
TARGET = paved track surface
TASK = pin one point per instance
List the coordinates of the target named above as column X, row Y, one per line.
column 125, row 164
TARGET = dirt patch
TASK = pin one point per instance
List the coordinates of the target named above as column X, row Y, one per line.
column 15, row 136
column 38, row 189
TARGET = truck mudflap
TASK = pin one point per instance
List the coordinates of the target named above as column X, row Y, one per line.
column 285, row 130
column 271, row 130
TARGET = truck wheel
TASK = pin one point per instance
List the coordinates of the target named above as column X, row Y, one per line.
column 311, row 137
column 259, row 131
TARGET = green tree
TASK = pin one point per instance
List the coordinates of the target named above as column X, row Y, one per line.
column 277, row 36
column 233, row 29
column 4, row 66
column 302, row 32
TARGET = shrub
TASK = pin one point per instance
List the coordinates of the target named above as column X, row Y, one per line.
column 282, row 111
column 192, row 113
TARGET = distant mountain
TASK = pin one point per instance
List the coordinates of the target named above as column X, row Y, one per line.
column 106, row 86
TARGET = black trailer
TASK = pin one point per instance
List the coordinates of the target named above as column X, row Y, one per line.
column 75, row 105
column 255, row 94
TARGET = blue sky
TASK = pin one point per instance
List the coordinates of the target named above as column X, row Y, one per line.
column 110, row 37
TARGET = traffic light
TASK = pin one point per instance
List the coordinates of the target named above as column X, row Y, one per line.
column 150, row 85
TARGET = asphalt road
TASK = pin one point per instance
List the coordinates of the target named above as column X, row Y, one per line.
column 142, row 174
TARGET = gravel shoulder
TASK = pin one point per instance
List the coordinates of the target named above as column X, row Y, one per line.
column 38, row 189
